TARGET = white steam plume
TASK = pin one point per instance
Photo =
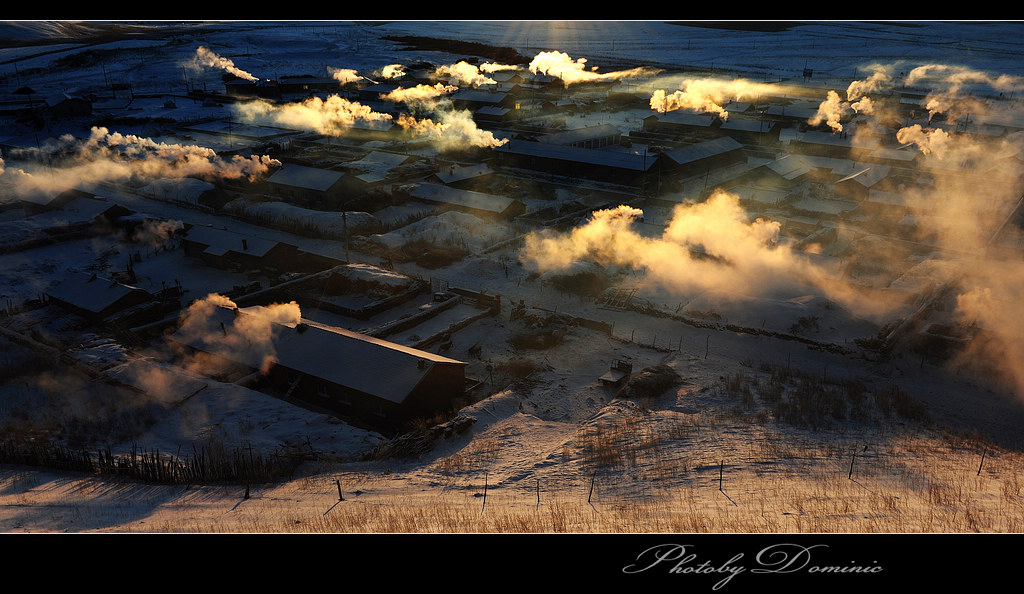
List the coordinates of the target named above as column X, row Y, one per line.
column 738, row 256
column 392, row 71
column 333, row 115
column 205, row 58
column 455, row 129
column 490, row 67
column 462, row 74
column 422, row 94
column 115, row 157
column 250, row 337
column 831, row 111
column 569, row 71
column 707, row 95
column 345, row 75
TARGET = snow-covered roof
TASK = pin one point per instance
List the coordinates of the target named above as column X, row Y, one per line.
column 703, row 150
column 828, row 138
column 462, row 198
column 310, row 178
column 339, row 356
column 581, row 134
column 606, row 158
column 460, row 173
column 222, row 241
column 492, row 110
column 478, row 96
column 685, row 118
column 896, row 153
column 868, row 176
column 748, row 125
column 90, row 292
column 790, row 166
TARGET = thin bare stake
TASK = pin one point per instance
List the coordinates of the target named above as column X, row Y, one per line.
column 852, row 460
column 592, row 480
column 482, row 507
column 340, row 497
column 982, row 462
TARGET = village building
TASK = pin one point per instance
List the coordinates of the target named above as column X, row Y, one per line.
column 474, row 99
column 752, row 131
column 377, row 382
column 96, row 298
column 228, row 250
column 857, row 185
column 792, row 113
column 683, row 124
column 590, row 137
column 459, row 176
column 828, row 144
column 476, row 203
column 699, row 157
column 67, row 105
column 783, row 173
column 494, row 115
column 612, row 166
column 312, row 186
column 308, row 84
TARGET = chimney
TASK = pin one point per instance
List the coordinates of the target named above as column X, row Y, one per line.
column 245, row 244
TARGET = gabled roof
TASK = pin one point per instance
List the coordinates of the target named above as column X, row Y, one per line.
column 455, row 173
column 790, row 166
column 222, row 241
column 685, row 118
column 606, row 158
column 91, row 293
column 309, row 178
column 748, row 124
column 703, row 150
column 868, row 176
column 462, row 198
column 369, row 365
column 478, row 96
column 579, row 134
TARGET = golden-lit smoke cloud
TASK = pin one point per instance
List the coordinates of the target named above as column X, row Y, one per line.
column 737, row 256
column 831, row 111
column 250, row 336
column 463, row 74
column 454, row 129
column 345, row 75
column 333, row 116
column 971, row 200
column 424, row 94
column 707, row 95
column 205, row 58
column 492, row 67
column 569, row 71
column 114, row 157
column 880, row 80
column 392, row 71
column 945, row 97
column 931, row 141
column 946, row 86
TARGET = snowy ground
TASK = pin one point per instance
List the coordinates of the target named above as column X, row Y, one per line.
column 535, row 407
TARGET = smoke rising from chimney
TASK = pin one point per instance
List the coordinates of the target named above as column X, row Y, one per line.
column 249, row 336
column 112, row 156
column 205, row 58
column 569, row 71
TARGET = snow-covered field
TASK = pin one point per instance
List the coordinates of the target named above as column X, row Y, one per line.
column 550, row 448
